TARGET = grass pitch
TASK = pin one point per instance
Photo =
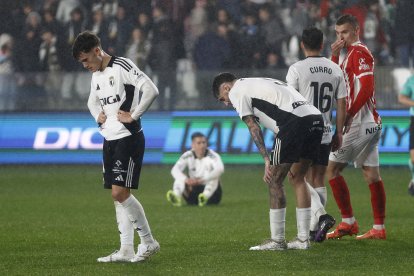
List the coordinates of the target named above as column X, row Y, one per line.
column 56, row 220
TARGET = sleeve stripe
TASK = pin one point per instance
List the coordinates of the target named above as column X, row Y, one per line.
column 124, row 64
column 365, row 74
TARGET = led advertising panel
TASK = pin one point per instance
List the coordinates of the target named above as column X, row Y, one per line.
column 73, row 138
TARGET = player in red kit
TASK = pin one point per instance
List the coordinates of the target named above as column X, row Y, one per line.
column 362, row 132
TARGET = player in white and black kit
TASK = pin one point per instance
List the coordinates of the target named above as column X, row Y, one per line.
column 201, row 184
column 115, row 104
column 298, row 129
column 322, row 83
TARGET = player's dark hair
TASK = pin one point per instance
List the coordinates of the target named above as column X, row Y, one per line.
column 84, row 43
column 312, row 38
column 219, row 80
column 197, row 135
column 348, row 18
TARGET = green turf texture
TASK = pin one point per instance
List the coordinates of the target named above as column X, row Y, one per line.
column 56, row 220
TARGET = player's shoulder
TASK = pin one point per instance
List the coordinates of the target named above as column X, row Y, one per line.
column 122, row 63
column 361, row 49
column 212, row 154
column 187, row 154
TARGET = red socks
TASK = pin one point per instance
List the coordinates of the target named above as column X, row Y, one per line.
column 378, row 201
column 341, row 194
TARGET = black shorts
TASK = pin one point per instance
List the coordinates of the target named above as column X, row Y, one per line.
column 323, row 155
column 299, row 138
column 122, row 161
column 412, row 133
column 191, row 195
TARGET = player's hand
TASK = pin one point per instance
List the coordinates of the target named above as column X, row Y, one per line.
column 336, row 142
column 101, row 118
column 124, row 117
column 337, row 46
column 191, row 181
column 268, row 175
column 347, row 123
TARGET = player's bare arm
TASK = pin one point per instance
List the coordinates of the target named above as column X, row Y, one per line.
column 124, row 117
column 405, row 100
column 340, row 120
column 257, row 135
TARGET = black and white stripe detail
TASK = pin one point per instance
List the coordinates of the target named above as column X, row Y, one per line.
column 130, row 173
column 275, row 154
column 123, row 63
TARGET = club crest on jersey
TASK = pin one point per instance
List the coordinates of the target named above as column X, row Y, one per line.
column 111, row 81
column 363, row 66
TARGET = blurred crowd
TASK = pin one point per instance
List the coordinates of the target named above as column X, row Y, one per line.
column 211, row 35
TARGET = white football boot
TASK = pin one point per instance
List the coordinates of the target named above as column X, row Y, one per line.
column 145, row 251
column 270, row 245
column 298, row 244
column 117, row 256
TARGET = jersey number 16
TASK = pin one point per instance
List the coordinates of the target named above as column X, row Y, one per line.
column 319, row 95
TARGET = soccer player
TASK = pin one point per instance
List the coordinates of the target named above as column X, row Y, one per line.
column 298, row 129
column 406, row 97
column 322, row 83
column 362, row 132
column 114, row 103
column 202, row 185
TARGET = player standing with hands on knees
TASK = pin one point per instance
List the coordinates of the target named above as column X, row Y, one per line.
column 298, row 129
column 115, row 103
column 322, row 83
column 363, row 132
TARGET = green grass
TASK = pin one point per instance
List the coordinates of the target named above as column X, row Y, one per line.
column 56, row 220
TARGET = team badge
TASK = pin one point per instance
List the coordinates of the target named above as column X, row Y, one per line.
column 363, row 65
column 111, row 81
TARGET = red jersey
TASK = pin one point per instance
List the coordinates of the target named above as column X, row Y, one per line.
column 358, row 68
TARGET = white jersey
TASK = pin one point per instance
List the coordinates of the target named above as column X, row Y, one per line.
column 117, row 88
column 207, row 168
column 271, row 101
column 321, row 82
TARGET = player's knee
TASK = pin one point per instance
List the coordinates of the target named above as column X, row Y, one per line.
column 120, row 194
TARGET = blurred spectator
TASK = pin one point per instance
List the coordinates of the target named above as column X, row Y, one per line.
column 50, row 63
column 118, row 33
column 404, row 32
column 109, row 8
column 271, row 28
column 232, row 7
column 223, row 17
column 7, row 81
column 163, row 57
column 64, row 10
column 99, row 26
column 29, row 46
column 143, row 21
column 211, row 52
column 195, row 25
column 251, row 43
column 50, row 22
column 138, row 49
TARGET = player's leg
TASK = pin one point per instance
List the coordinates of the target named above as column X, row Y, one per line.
column 277, row 212
column 125, row 227
column 216, row 197
column 209, row 188
column 175, row 195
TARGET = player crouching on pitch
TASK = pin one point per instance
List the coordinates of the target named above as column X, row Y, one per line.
column 202, row 185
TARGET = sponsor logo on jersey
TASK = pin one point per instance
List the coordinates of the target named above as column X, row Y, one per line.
column 110, row 100
column 119, row 178
column 97, row 87
column 111, row 81
column 363, row 66
column 118, row 163
column 297, row 104
column 372, row 130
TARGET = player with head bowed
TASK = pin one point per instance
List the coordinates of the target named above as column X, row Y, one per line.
column 298, row 128
column 117, row 107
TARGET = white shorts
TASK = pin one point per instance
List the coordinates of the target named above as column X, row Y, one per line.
column 360, row 146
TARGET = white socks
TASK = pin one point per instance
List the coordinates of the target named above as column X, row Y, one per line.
column 323, row 195
column 277, row 224
column 316, row 207
column 136, row 215
column 126, row 230
column 303, row 217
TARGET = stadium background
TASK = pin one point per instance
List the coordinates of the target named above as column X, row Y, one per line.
column 181, row 45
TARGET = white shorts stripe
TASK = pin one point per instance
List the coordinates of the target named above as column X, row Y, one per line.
column 276, row 152
column 130, row 173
